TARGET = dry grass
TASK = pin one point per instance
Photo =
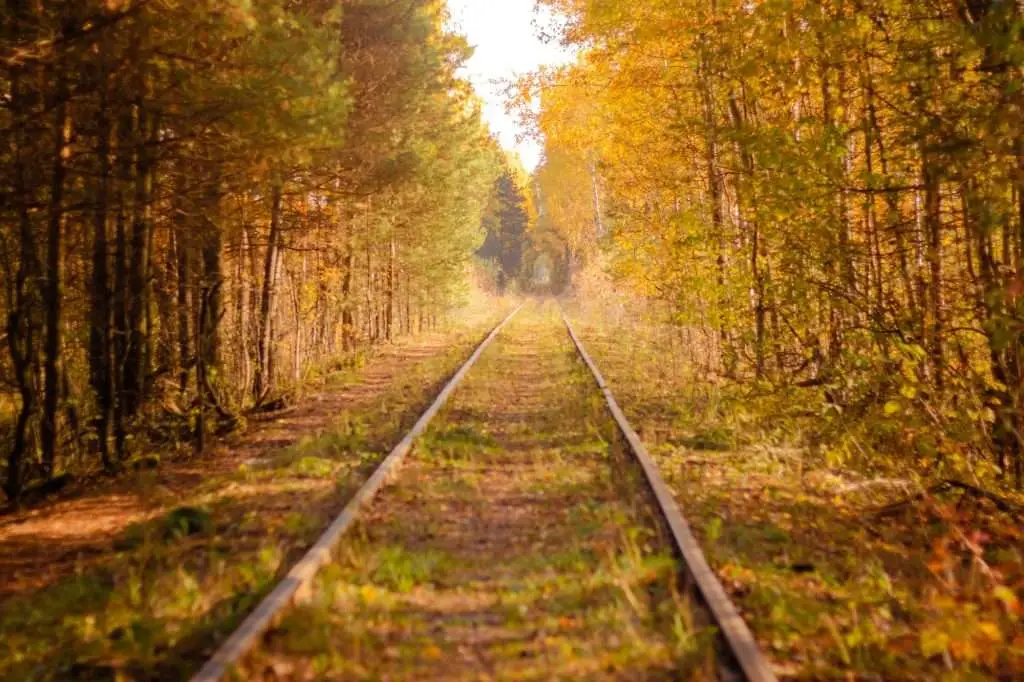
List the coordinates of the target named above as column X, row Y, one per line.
column 104, row 584
column 517, row 544
column 832, row 590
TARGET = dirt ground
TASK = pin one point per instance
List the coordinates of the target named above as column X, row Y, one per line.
column 833, row 587
column 66, row 570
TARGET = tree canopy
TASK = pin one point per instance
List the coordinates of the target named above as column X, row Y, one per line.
column 833, row 191
column 203, row 200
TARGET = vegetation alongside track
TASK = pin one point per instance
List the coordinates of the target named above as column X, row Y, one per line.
column 150, row 601
column 793, row 232
column 832, row 580
column 517, row 543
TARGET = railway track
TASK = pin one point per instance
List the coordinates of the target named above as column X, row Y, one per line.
column 502, row 485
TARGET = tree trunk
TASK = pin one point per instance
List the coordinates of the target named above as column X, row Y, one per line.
column 136, row 365
column 714, row 181
column 408, row 304
column 392, row 300
column 21, row 319
column 894, row 219
column 296, row 285
column 183, row 266
column 121, row 291
column 53, row 283
column 100, row 360
column 933, row 230
column 208, row 332
column 596, row 201
column 242, row 294
column 212, row 278
column 347, row 318
column 370, row 331
column 870, row 214
column 751, row 228
column 264, row 345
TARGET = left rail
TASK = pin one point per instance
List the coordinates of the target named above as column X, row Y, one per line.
column 299, row 581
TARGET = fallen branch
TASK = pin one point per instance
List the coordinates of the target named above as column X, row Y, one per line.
column 1001, row 503
column 901, row 483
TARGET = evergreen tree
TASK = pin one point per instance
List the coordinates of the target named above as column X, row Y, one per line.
column 202, row 199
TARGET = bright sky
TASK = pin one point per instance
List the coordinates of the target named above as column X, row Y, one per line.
column 505, row 35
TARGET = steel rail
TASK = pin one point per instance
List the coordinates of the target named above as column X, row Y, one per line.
column 734, row 631
column 299, row 581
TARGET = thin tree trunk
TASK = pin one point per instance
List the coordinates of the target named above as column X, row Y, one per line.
column 870, row 214
column 596, row 200
column 408, row 304
column 370, row 331
column 263, row 379
column 53, row 284
column 933, row 229
column 183, row 265
column 208, row 336
column 714, row 182
column 751, row 228
column 893, row 215
column 100, row 360
column 296, row 284
column 242, row 289
column 136, row 364
column 121, row 333
column 347, row 317
column 392, row 300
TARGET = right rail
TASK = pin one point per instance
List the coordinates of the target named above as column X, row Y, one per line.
column 738, row 638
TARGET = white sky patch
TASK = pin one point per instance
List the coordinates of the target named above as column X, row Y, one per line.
column 505, row 34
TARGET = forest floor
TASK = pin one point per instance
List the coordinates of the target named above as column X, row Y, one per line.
column 139, row 576
column 842, row 573
column 517, row 543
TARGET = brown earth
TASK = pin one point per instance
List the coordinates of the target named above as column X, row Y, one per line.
column 263, row 516
column 41, row 544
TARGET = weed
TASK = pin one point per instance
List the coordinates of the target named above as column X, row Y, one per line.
column 314, row 467
column 178, row 582
column 510, row 533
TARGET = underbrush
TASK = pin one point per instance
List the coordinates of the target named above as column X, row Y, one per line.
column 513, row 546
column 172, row 585
column 860, row 524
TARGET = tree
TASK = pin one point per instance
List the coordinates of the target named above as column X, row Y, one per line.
column 201, row 199
column 508, row 221
column 831, row 190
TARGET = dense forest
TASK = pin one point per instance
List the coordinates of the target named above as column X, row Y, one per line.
column 508, row 221
column 705, row 362
column 830, row 194
column 202, row 200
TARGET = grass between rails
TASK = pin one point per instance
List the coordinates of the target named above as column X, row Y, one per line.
column 153, row 605
column 833, row 588
column 516, row 544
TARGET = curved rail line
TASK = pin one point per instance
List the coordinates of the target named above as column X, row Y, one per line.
column 734, row 631
column 298, row 583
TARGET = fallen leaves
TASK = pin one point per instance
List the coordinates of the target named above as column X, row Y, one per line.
column 934, row 589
